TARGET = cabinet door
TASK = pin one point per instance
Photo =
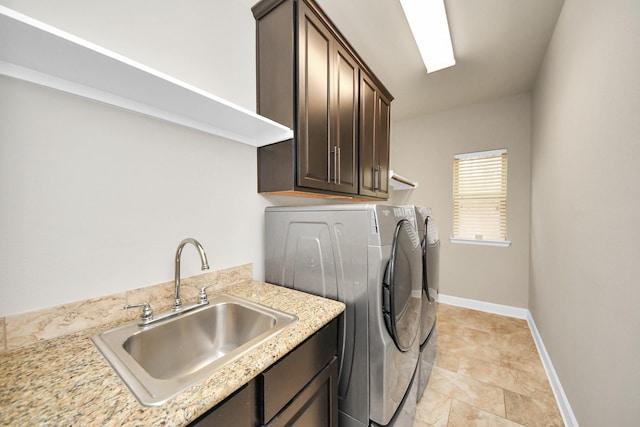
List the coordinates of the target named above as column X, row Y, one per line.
column 374, row 139
column 344, row 116
column 368, row 162
column 383, row 122
column 314, row 91
column 239, row 409
column 316, row 405
column 309, row 76
column 284, row 381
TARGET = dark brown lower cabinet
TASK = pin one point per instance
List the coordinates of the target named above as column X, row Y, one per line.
column 300, row 390
column 315, row 405
column 239, row 409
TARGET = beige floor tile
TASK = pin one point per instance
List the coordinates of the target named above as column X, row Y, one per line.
column 464, row 415
column 433, row 409
column 487, row 322
column 463, row 339
column 520, row 342
column 487, row 372
column 458, row 347
column 418, row 423
column 479, row 319
column 528, row 362
column 468, row 390
column 531, row 412
column 521, row 382
column 507, row 357
column 446, row 360
column 505, row 341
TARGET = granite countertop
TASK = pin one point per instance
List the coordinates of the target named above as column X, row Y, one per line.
column 66, row 381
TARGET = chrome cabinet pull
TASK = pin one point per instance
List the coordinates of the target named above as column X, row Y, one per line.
column 329, row 165
column 338, row 168
column 335, row 164
column 376, row 178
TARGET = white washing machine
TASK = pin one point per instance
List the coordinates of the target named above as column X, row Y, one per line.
column 368, row 256
column 430, row 242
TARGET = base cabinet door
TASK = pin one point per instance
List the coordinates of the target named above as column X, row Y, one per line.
column 303, row 380
column 240, row 409
column 300, row 390
column 315, row 405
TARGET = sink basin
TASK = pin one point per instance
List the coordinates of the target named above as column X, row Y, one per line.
column 160, row 360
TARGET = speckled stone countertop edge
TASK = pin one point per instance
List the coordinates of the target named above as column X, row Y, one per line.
column 66, row 381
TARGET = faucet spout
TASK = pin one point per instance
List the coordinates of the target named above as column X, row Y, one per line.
column 203, row 259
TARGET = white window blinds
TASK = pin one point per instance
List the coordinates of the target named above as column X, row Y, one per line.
column 480, row 196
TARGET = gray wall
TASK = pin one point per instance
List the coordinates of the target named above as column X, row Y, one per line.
column 94, row 200
column 423, row 150
column 585, row 269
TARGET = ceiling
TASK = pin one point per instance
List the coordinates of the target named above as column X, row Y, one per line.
column 498, row 44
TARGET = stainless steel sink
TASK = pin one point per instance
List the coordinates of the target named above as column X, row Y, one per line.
column 160, row 360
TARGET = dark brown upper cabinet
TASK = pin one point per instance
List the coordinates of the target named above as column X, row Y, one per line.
column 310, row 79
column 375, row 116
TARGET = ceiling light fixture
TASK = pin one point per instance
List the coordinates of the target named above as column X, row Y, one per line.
column 428, row 22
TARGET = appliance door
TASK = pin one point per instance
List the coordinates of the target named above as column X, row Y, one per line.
column 430, row 260
column 433, row 263
column 394, row 318
column 400, row 306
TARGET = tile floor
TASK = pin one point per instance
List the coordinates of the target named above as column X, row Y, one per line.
column 487, row 372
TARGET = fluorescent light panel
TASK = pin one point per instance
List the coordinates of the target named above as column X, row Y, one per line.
column 428, row 22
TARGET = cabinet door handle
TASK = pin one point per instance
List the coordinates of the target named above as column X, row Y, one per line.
column 329, row 174
column 379, row 177
column 376, row 172
column 335, row 164
column 338, row 168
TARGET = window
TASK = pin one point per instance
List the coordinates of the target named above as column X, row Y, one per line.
column 480, row 198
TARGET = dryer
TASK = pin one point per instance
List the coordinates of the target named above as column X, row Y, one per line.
column 430, row 243
column 369, row 257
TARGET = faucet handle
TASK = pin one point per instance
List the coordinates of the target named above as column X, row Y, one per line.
column 147, row 312
column 202, row 296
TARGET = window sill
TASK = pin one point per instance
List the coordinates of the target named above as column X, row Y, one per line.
column 497, row 243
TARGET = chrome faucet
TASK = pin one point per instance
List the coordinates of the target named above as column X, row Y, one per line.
column 205, row 266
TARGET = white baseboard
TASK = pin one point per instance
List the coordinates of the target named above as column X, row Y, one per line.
column 561, row 398
column 567, row 414
column 489, row 307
